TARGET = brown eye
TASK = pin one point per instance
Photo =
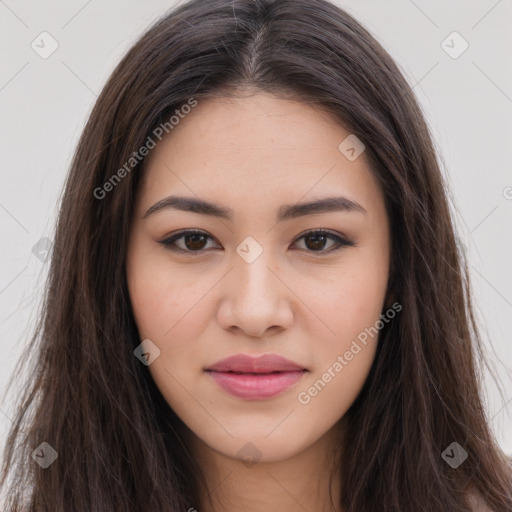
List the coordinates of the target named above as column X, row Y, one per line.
column 191, row 241
column 194, row 241
column 315, row 241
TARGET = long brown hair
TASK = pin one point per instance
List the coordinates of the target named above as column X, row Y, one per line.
column 120, row 447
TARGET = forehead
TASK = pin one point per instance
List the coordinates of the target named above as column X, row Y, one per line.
column 253, row 147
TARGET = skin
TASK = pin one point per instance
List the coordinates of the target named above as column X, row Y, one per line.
column 253, row 154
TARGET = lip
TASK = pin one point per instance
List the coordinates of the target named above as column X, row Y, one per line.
column 266, row 363
column 256, row 378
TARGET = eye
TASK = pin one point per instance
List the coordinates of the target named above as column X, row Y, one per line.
column 316, row 240
column 192, row 241
column 195, row 241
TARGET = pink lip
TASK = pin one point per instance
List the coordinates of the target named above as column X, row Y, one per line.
column 256, row 378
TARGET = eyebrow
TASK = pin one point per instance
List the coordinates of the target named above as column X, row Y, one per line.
column 286, row 212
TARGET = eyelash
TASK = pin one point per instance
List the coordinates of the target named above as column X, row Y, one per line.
column 169, row 243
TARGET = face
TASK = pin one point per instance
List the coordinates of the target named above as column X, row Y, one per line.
column 257, row 278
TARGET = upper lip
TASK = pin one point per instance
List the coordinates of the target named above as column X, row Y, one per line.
column 266, row 363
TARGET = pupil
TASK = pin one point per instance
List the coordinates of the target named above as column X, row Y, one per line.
column 316, row 245
column 195, row 241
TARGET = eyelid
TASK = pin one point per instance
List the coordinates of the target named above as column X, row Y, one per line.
column 340, row 239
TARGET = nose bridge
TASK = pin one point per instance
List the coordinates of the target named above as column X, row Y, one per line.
column 252, row 270
column 255, row 299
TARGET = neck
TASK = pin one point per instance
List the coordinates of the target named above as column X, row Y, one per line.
column 307, row 481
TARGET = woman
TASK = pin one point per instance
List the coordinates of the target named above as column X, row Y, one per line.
column 256, row 301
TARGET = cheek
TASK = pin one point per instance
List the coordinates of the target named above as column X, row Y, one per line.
column 350, row 301
column 345, row 352
column 168, row 310
column 349, row 305
column 171, row 309
column 163, row 300
column 331, row 391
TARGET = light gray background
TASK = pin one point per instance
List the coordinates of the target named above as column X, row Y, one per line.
column 468, row 102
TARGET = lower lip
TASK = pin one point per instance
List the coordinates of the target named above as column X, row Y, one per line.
column 256, row 386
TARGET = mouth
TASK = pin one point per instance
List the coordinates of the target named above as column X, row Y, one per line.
column 256, row 386
column 258, row 378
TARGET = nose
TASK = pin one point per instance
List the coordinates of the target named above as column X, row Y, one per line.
column 255, row 298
